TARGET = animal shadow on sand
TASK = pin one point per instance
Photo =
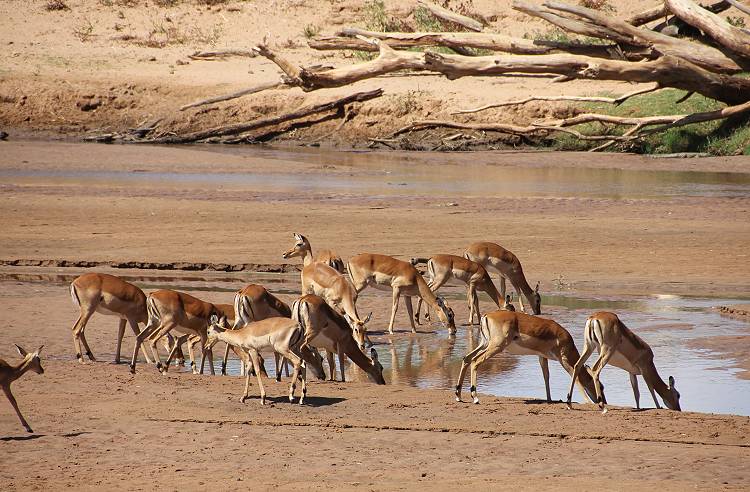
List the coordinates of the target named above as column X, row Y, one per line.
column 310, row 401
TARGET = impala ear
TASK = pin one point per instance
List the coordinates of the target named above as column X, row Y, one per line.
column 671, row 382
column 21, row 350
column 367, row 319
column 39, row 350
column 373, row 354
column 536, row 289
column 213, row 319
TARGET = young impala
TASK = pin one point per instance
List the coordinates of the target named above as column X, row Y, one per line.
column 402, row 278
column 9, row 373
column 321, row 279
column 622, row 348
column 106, row 294
column 522, row 334
column 442, row 268
column 495, row 257
column 284, row 336
column 327, row 329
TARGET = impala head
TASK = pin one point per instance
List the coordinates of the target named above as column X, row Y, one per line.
column 673, row 402
column 35, row 363
column 358, row 328
column 377, row 375
column 216, row 325
column 449, row 315
column 508, row 306
column 301, row 246
column 535, row 300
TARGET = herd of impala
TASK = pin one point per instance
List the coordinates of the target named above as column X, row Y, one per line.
column 326, row 317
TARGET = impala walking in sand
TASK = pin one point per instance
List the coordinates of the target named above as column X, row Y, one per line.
column 10, row 373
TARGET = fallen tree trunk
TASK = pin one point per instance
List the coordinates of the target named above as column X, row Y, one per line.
column 347, row 39
column 593, row 23
column 270, row 121
column 450, row 16
column 724, row 33
column 660, row 11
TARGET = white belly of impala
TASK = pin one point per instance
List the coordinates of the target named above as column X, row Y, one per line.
column 323, row 342
column 102, row 310
column 618, row 360
column 516, row 349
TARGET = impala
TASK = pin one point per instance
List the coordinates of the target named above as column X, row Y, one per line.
column 494, row 256
column 321, row 279
column 325, row 328
column 385, row 272
column 442, row 268
column 168, row 310
column 106, row 294
column 303, row 249
column 282, row 335
column 9, row 373
column 522, row 334
column 622, row 348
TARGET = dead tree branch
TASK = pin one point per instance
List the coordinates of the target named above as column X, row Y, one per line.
column 221, row 55
column 662, row 11
column 724, row 33
column 610, row 100
column 235, row 95
column 450, row 16
column 270, row 121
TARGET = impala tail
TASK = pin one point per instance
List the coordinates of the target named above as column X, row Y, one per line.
column 74, row 295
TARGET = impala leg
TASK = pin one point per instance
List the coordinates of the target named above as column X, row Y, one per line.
column 636, row 393
column 502, row 286
column 296, row 362
column 278, row 360
column 545, row 373
column 120, row 335
column 588, row 349
column 394, row 308
column 410, row 312
column 464, row 366
column 205, row 351
column 303, row 376
column 154, row 337
column 331, row 365
column 604, row 356
column 479, row 360
column 136, row 331
column 255, row 358
column 224, row 361
column 12, row 400
column 247, row 387
column 342, row 360
column 175, row 346
column 139, row 339
column 78, row 327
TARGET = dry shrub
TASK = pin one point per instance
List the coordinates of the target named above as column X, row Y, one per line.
column 55, row 5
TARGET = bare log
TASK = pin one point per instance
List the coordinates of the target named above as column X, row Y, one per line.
column 487, row 41
column 728, row 112
column 661, row 11
column 724, row 33
column 593, row 23
column 222, row 54
column 234, row 95
column 739, row 6
column 270, row 121
column 450, row 16
column 610, row 100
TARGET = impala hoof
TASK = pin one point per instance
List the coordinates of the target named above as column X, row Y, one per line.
column 476, row 401
column 458, row 399
column 132, row 369
column 604, row 410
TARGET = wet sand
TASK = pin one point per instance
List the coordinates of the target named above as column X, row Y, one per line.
column 98, row 426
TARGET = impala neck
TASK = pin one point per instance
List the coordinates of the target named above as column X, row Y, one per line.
column 228, row 336
column 307, row 257
column 491, row 290
column 652, row 376
column 19, row 370
column 523, row 285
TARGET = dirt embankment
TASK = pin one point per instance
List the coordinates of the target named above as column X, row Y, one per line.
column 99, row 66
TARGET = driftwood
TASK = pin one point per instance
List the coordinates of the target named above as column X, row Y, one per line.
column 724, row 33
column 601, row 99
column 739, row 6
column 234, row 95
column 450, row 16
column 222, row 54
column 593, row 23
column 301, row 112
column 350, row 38
column 661, row 11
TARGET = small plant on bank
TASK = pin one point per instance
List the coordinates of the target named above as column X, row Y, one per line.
column 84, row 31
column 736, row 21
column 56, row 5
column 311, row 30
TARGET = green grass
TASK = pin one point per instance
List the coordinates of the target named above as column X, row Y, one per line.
column 721, row 137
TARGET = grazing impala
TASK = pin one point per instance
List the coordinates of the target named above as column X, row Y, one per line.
column 321, row 279
column 9, row 373
column 441, row 268
column 106, row 294
column 495, row 257
column 282, row 335
column 168, row 310
column 327, row 329
column 622, row 348
column 522, row 334
column 385, row 272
